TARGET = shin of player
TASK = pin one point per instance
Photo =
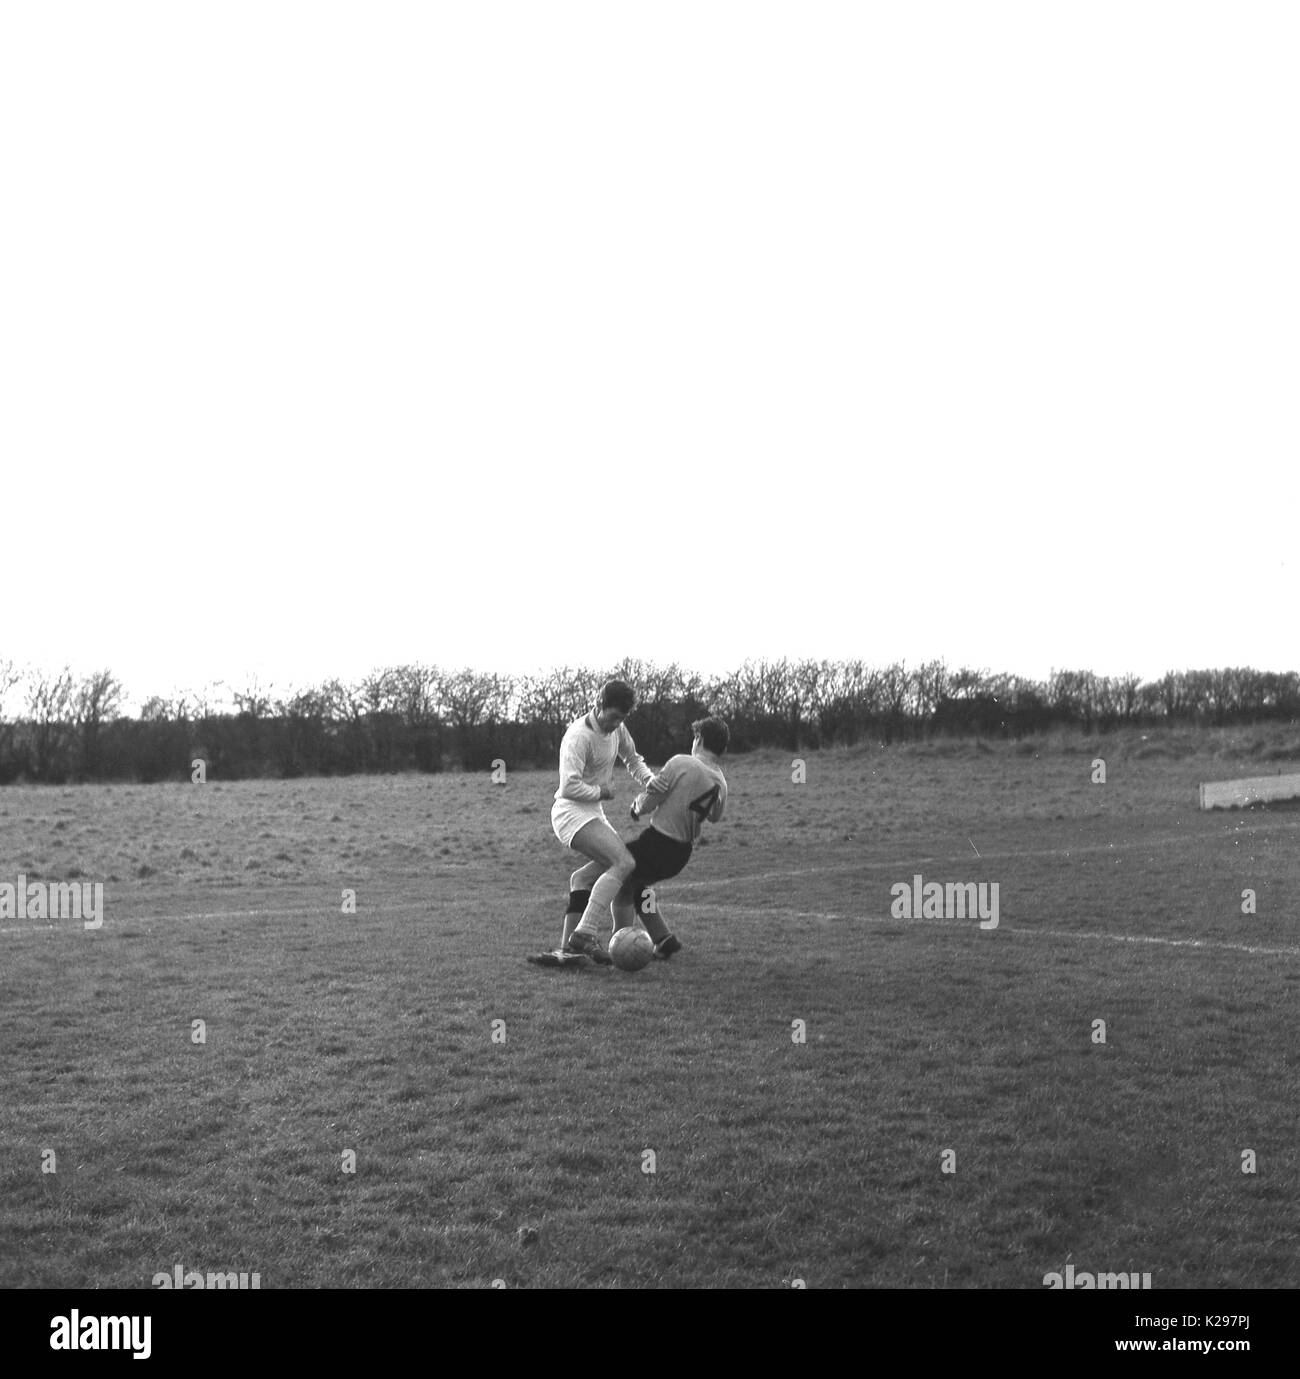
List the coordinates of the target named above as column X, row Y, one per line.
column 637, row 901
column 580, row 884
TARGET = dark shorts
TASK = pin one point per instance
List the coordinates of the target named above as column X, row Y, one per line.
column 657, row 856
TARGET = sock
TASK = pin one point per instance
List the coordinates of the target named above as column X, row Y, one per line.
column 603, row 894
column 624, row 911
column 652, row 918
column 577, row 903
column 656, row 928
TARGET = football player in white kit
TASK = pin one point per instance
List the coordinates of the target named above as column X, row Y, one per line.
column 592, row 745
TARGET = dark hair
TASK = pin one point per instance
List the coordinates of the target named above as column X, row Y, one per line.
column 714, row 734
column 618, row 695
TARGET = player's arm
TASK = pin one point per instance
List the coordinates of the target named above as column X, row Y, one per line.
column 655, row 793
column 629, row 756
column 715, row 814
column 573, row 760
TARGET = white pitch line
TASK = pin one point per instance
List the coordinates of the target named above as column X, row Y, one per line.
column 914, row 861
column 75, row 926
column 1216, row 944
column 729, row 909
column 895, row 865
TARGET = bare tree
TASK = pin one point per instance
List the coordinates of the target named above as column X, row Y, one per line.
column 1198, row 691
column 549, row 701
column 929, row 687
column 308, row 716
column 659, row 714
column 9, row 677
column 50, row 707
column 465, row 698
column 895, row 683
column 1280, row 693
column 1129, row 688
column 414, row 692
column 1073, row 695
column 96, row 701
column 1172, row 694
column 378, row 691
column 254, row 699
column 815, row 682
column 801, row 699
column 1220, row 693
column 178, row 708
column 847, row 700
column 213, row 699
column 966, row 683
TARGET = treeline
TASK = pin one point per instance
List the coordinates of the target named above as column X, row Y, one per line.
column 425, row 718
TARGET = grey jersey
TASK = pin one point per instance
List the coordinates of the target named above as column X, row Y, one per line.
column 687, row 791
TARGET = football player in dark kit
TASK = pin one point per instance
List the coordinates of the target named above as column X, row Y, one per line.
column 689, row 790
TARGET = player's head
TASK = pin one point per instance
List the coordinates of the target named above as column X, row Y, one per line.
column 617, row 700
column 712, row 734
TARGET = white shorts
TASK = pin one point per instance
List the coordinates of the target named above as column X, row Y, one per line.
column 568, row 816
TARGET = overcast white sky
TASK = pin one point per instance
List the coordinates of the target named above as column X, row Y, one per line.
column 511, row 335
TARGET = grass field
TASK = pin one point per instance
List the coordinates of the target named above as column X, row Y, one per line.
column 525, row 1160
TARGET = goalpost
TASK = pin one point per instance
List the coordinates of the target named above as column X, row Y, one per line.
column 1234, row 794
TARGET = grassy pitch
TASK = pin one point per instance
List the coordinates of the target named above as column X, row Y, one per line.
column 813, row 1090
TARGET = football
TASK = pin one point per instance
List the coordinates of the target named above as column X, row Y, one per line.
column 630, row 949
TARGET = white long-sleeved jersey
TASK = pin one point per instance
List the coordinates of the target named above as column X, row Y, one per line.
column 688, row 791
column 587, row 758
